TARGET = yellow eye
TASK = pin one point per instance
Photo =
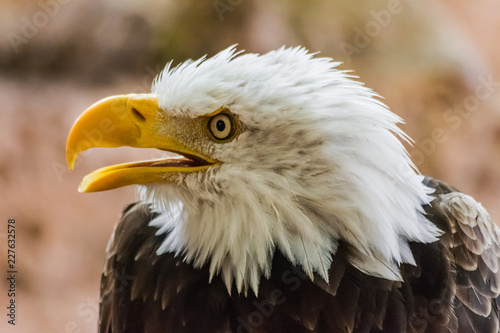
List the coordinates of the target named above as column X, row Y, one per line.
column 221, row 126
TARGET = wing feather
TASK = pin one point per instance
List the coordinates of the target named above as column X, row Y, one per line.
column 474, row 242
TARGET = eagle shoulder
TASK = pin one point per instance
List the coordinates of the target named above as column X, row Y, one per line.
column 474, row 244
column 145, row 292
column 455, row 284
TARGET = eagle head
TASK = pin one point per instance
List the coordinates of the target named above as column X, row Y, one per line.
column 275, row 152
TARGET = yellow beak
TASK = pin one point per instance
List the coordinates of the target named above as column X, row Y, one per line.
column 130, row 120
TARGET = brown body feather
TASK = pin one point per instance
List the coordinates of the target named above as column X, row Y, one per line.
column 454, row 287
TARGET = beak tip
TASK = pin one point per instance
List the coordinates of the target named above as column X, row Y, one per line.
column 82, row 188
column 87, row 185
column 70, row 158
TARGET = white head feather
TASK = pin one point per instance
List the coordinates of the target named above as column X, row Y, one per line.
column 318, row 161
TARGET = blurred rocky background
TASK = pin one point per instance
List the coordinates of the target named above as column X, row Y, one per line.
column 436, row 62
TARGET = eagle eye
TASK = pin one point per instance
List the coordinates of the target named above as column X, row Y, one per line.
column 221, row 126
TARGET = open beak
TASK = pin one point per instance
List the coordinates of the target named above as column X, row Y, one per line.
column 130, row 120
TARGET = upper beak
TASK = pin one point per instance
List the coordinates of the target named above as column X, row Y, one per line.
column 129, row 120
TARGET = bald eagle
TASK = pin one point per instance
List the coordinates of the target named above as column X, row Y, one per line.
column 285, row 202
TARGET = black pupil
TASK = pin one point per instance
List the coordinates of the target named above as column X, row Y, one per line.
column 221, row 125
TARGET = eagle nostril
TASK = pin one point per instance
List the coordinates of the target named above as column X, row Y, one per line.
column 138, row 116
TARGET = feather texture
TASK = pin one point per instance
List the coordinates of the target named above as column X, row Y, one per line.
column 150, row 293
column 318, row 160
column 314, row 219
